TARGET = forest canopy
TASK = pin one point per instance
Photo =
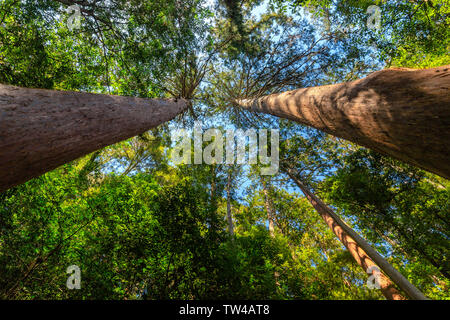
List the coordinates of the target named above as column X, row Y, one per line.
column 139, row 225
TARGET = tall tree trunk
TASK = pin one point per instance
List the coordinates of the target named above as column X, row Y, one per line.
column 269, row 209
column 270, row 217
column 43, row 129
column 361, row 251
column 213, row 185
column 403, row 113
column 229, row 214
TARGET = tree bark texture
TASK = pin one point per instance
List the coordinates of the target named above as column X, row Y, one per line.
column 403, row 113
column 361, row 251
column 43, row 129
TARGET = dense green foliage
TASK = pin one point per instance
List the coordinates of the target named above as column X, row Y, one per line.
column 135, row 238
column 140, row 227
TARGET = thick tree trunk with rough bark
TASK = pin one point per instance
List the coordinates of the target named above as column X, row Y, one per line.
column 43, row 129
column 403, row 113
column 361, row 251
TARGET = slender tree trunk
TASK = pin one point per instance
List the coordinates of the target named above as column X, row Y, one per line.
column 270, row 217
column 269, row 209
column 361, row 251
column 43, row 129
column 403, row 113
column 213, row 185
column 229, row 214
